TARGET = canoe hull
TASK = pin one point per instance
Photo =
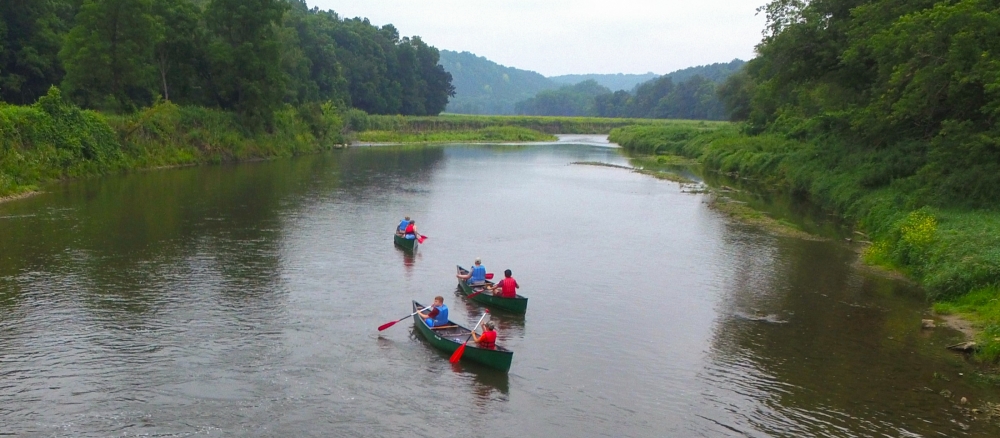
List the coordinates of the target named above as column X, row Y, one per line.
column 407, row 244
column 448, row 340
column 518, row 305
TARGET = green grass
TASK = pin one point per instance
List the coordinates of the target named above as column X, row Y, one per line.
column 53, row 139
column 982, row 307
column 483, row 135
column 950, row 249
column 361, row 122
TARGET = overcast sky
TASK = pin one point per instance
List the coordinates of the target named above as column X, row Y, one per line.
column 555, row 37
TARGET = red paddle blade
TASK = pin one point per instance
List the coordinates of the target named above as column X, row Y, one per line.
column 386, row 325
column 458, row 353
column 421, row 239
column 489, row 275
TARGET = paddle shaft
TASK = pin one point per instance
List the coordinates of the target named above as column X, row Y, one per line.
column 474, row 329
column 385, row 326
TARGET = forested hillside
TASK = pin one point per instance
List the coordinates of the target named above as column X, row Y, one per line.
column 684, row 94
column 246, row 56
column 613, row 82
column 485, row 87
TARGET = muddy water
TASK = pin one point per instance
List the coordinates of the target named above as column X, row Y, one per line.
column 243, row 301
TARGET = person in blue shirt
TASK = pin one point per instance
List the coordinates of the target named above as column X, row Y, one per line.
column 438, row 315
column 401, row 229
column 478, row 274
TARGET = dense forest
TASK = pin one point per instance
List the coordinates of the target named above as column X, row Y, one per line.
column 245, row 56
column 684, row 94
column 912, row 86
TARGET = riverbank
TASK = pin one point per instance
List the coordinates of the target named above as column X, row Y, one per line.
column 360, row 122
column 54, row 140
column 950, row 251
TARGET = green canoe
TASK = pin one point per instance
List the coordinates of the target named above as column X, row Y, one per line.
column 518, row 304
column 402, row 242
column 449, row 337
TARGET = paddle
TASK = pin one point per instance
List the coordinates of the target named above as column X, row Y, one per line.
column 479, row 292
column 461, row 348
column 421, row 238
column 390, row 324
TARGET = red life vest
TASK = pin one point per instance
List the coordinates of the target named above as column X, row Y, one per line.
column 488, row 340
column 410, row 229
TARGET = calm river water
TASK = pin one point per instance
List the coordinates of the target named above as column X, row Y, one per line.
column 243, row 301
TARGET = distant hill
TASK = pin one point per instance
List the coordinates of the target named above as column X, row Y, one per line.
column 614, row 82
column 717, row 72
column 485, row 87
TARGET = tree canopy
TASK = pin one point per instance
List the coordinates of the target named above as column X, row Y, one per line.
column 248, row 56
column 915, row 82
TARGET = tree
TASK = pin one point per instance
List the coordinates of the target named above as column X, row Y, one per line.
column 178, row 50
column 30, row 38
column 108, row 54
column 245, row 57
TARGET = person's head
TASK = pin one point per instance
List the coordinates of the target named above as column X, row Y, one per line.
column 507, row 273
column 438, row 300
column 407, row 218
column 489, row 325
column 413, row 222
column 479, row 261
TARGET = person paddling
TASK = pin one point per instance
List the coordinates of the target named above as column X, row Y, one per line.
column 488, row 340
column 506, row 288
column 478, row 274
column 401, row 229
column 438, row 315
column 411, row 230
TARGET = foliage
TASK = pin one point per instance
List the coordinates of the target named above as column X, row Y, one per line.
column 245, row 55
column 550, row 125
column 29, row 42
column 251, row 57
column 569, row 101
column 107, row 54
column 54, row 139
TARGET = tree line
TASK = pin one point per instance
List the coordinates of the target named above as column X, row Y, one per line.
column 246, row 56
column 685, row 94
column 915, row 84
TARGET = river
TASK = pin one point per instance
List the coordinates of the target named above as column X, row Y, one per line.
column 243, row 300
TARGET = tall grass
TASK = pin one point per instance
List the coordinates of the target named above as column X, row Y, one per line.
column 490, row 134
column 951, row 249
column 53, row 139
column 358, row 121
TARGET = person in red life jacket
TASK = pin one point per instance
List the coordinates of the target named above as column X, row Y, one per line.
column 411, row 230
column 438, row 315
column 507, row 287
column 488, row 340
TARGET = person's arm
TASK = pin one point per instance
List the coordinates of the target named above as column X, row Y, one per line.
column 474, row 337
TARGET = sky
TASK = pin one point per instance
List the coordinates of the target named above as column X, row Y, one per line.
column 555, row 37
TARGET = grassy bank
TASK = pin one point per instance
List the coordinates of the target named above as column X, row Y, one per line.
column 53, row 139
column 490, row 134
column 360, row 122
column 953, row 251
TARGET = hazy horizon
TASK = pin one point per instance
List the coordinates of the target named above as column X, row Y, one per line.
column 561, row 37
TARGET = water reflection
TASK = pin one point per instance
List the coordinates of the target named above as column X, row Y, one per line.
column 242, row 300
